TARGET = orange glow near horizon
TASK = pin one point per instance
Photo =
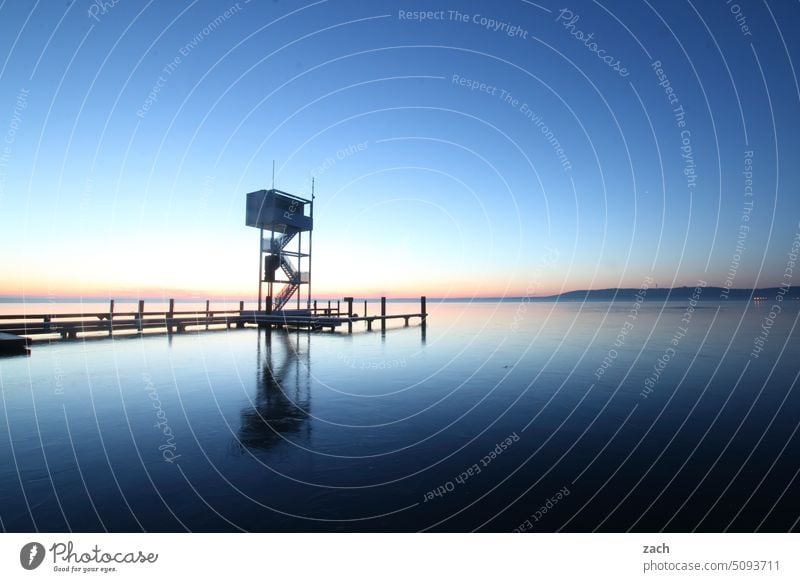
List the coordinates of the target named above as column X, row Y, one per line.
column 92, row 285
column 210, row 272
column 75, row 289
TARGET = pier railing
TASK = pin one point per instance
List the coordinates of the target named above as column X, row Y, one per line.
column 68, row 325
column 320, row 315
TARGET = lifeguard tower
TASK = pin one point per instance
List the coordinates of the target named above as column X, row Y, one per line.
column 284, row 262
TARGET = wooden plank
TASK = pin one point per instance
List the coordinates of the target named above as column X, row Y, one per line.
column 71, row 324
column 10, row 343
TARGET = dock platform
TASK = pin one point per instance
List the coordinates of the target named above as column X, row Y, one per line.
column 13, row 344
column 16, row 331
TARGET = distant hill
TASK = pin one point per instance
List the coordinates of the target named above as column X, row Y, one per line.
column 629, row 294
column 675, row 293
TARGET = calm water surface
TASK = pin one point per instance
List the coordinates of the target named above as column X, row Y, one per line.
column 500, row 416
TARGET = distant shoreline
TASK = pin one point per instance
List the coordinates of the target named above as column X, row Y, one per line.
column 719, row 294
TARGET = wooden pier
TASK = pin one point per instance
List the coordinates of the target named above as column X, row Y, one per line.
column 13, row 344
column 111, row 322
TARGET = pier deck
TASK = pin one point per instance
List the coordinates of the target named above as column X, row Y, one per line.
column 20, row 328
column 11, row 344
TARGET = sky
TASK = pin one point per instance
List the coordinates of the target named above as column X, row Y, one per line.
column 458, row 148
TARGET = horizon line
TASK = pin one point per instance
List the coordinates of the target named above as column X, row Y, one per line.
column 8, row 298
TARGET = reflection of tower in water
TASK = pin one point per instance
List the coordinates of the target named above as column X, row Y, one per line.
column 283, row 399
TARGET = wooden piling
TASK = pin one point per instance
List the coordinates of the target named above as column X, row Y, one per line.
column 208, row 305
column 110, row 317
column 349, row 301
column 170, row 315
column 383, row 314
column 423, row 310
column 140, row 315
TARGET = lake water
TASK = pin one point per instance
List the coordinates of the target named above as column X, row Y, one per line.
column 499, row 416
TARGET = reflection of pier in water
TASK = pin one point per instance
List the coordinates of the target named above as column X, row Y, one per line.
column 283, row 398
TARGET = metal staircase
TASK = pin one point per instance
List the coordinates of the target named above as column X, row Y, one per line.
column 280, row 242
column 293, row 283
column 294, row 278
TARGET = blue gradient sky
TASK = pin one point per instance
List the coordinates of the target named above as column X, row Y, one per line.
column 423, row 185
